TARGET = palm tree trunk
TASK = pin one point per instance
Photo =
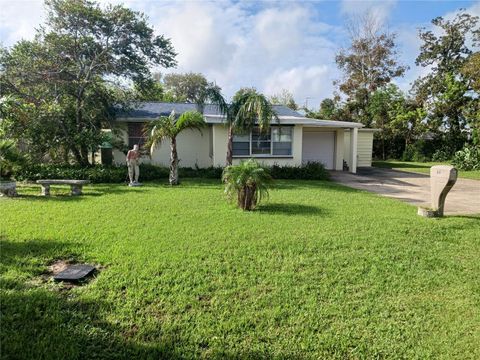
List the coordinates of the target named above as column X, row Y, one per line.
column 246, row 198
column 230, row 146
column 173, row 178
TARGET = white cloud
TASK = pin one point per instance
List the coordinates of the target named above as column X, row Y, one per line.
column 270, row 45
column 313, row 83
column 379, row 9
column 18, row 19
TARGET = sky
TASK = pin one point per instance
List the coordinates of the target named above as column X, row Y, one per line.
column 269, row 45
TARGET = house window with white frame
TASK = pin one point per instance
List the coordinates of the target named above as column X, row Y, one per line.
column 275, row 142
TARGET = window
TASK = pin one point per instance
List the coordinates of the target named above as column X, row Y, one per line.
column 241, row 145
column 261, row 142
column 282, row 141
column 276, row 142
column 136, row 134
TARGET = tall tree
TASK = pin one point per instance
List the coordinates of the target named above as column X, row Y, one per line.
column 446, row 92
column 368, row 64
column 195, row 89
column 285, row 98
column 186, row 87
column 168, row 128
column 327, row 109
column 379, row 110
column 67, row 71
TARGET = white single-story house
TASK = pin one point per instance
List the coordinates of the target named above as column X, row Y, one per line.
column 293, row 140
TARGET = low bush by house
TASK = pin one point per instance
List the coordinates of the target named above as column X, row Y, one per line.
column 468, row 158
column 118, row 174
column 310, row 171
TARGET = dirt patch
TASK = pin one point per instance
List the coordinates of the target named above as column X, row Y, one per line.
column 58, row 266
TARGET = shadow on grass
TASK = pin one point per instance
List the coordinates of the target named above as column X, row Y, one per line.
column 291, row 209
column 43, row 324
column 31, row 257
column 403, row 165
column 39, row 321
column 63, row 194
column 470, row 217
column 311, row 184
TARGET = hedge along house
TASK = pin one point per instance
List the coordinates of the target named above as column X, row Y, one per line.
column 293, row 140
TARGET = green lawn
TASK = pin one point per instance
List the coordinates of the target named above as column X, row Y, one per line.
column 419, row 167
column 319, row 271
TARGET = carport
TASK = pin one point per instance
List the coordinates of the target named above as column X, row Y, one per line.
column 323, row 141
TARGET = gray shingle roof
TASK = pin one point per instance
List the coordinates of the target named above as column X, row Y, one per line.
column 152, row 110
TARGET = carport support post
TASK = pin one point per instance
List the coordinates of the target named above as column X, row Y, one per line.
column 353, row 149
column 339, row 145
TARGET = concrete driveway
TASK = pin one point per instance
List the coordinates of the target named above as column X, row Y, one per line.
column 464, row 198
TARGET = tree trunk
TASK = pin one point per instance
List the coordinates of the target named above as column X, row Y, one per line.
column 383, row 145
column 84, row 154
column 65, row 155
column 246, row 198
column 230, row 146
column 77, row 155
column 173, row 178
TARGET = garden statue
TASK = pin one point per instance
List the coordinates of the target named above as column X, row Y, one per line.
column 133, row 156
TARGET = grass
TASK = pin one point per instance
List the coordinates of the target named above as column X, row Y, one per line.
column 423, row 168
column 319, row 271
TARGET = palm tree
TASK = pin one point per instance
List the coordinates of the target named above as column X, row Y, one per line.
column 247, row 110
column 248, row 181
column 213, row 94
column 168, row 127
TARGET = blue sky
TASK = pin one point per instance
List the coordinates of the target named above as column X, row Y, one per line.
column 270, row 45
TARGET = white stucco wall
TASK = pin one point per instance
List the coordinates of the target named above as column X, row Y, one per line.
column 193, row 147
column 210, row 148
column 364, row 148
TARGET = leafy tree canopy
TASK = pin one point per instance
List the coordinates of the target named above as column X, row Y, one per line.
column 446, row 91
column 369, row 63
column 66, row 74
column 285, row 98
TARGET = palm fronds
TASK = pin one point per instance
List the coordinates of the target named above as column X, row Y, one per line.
column 248, row 181
column 212, row 93
column 168, row 128
column 250, row 108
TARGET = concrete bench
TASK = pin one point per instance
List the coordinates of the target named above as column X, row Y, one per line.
column 75, row 185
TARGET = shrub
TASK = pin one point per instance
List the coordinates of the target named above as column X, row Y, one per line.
column 248, row 182
column 442, row 155
column 10, row 158
column 96, row 174
column 205, row 173
column 118, row 174
column 468, row 158
column 415, row 152
column 309, row 171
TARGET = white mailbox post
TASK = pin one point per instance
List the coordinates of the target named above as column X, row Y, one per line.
column 442, row 179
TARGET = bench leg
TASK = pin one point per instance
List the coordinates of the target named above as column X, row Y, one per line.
column 76, row 190
column 46, row 190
